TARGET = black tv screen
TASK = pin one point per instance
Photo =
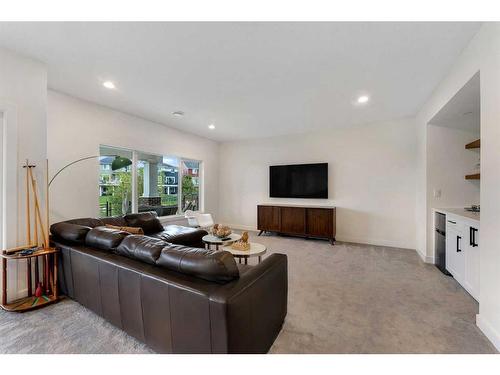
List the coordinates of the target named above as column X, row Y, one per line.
column 299, row 181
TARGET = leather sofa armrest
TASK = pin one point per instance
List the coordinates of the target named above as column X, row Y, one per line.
column 273, row 263
column 247, row 314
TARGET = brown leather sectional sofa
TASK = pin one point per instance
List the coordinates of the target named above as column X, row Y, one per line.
column 169, row 292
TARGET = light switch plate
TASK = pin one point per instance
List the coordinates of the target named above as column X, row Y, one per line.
column 437, row 193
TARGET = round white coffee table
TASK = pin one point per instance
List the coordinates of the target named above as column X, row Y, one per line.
column 210, row 239
column 256, row 250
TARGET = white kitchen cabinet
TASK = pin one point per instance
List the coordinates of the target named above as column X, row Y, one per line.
column 462, row 252
column 471, row 280
column 455, row 255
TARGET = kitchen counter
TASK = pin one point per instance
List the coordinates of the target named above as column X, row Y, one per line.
column 459, row 212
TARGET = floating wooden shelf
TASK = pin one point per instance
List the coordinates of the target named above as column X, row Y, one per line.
column 475, row 144
column 475, row 176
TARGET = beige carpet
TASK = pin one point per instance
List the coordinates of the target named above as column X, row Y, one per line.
column 342, row 299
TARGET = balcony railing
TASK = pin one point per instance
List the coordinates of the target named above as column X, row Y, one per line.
column 168, row 206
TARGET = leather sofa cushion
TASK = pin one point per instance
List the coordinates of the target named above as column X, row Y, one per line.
column 105, row 238
column 218, row 266
column 181, row 235
column 87, row 222
column 70, row 232
column 148, row 221
column 118, row 221
column 145, row 249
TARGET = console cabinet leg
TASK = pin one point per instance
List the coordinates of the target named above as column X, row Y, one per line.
column 260, row 232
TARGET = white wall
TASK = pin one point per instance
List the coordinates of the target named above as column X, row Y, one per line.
column 23, row 96
column 447, row 164
column 489, row 309
column 482, row 54
column 371, row 179
column 468, row 64
column 76, row 128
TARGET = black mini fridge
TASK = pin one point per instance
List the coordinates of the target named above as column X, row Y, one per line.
column 440, row 242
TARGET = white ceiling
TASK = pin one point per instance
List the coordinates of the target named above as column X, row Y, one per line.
column 249, row 79
column 463, row 111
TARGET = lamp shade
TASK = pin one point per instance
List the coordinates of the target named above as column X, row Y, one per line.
column 120, row 162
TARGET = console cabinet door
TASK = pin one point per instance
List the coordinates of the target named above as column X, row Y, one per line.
column 268, row 218
column 293, row 220
column 319, row 222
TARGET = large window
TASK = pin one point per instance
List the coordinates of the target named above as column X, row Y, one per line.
column 115, row 187
column 169, row 185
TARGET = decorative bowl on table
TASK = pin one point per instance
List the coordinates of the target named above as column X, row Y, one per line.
column 221, row 231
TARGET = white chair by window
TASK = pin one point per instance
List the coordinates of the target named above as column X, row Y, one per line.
column 191, row 216
column 199, row 220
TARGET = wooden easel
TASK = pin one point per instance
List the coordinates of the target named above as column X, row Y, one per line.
column 39, row 243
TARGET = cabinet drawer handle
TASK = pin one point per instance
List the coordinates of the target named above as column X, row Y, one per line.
column 473, row 238
column 452, row 222
column 458, row 244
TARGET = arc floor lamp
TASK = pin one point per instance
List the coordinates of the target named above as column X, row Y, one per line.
column 118, row 163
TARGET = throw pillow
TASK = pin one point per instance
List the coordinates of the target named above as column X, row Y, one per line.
column 131, row 230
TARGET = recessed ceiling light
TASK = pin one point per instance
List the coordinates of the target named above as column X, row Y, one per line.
column 109, row 85
column 211, row 126
column 363, row 99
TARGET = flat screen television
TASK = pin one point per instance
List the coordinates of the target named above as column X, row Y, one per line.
column 299, row 181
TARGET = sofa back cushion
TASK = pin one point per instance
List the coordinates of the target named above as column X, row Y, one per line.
column 87, row 222
column 218, row 266
column 148, row 221
column 181, row 235
column 145, row 249
column 118, row 221
column 105, row 238
column 70, row 232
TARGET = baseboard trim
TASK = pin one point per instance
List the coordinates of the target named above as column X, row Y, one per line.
column 17, row 294
column 488, row 331
column 241, row 227
column 375, row 242
column 364, row 241
column 425, row 258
